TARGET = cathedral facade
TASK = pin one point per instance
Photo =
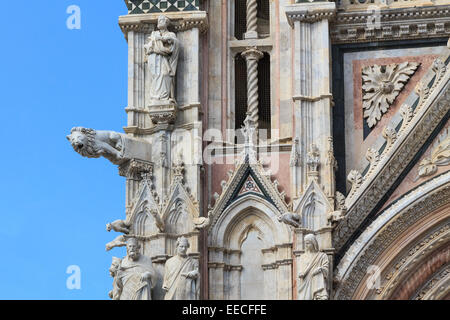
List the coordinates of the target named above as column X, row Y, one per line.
column 283, row 150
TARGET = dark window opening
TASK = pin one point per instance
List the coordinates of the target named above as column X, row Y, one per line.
column 240, row 18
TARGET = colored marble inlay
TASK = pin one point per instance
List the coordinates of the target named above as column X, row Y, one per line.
column 151, row 6
column 250, row 186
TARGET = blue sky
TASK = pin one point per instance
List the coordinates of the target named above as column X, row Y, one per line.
column 54, row 204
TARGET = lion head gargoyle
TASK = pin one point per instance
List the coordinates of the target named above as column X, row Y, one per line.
column 92, row 143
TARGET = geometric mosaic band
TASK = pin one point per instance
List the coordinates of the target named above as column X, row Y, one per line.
column 151, row 6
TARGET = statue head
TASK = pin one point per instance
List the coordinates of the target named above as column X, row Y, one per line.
column 163, row 22
column 182, row 246
column 311, row 244
column 133, row 249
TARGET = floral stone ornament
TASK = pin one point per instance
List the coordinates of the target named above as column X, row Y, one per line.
column 381, row 85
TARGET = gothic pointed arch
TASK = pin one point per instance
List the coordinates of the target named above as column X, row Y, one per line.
column 418, row 225
column 142, row 222
column 313, row 207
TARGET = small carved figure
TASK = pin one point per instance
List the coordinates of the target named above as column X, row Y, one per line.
column 314, row 268
column 113, row 270
column 120, row 241
column 181, row 276
column 440, row 155
column 162, row 49
column 203, row 222
column 136, row 276
column 118, row 226
column 92, row 143
column 336, row 216
column 158, row 221
column 292, row 219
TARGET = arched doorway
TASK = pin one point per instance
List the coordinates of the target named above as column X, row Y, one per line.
column 250, row 253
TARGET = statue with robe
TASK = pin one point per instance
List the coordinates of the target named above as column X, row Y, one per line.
column 113, row 271
column 136, row 276
column 181, row 276
column 314, row 268
column 162, row 50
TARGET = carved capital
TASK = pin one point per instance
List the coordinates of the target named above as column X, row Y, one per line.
column 134, row 169
column 252, row 53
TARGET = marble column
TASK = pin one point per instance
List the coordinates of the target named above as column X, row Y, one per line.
column 313, row 159
column 252, row 56
column 311, row 92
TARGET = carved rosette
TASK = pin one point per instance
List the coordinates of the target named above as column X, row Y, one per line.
column 381, row 85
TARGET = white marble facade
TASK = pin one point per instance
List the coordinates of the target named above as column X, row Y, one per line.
column 211, row 218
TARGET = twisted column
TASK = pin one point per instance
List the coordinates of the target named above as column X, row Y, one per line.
column 252, row 20
column 252, row 55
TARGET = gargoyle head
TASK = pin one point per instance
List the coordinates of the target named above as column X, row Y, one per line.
column 80, row 140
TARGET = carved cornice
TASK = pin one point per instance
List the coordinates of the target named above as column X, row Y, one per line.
column 310, row 12
column 386, row 229
column 396, row 23
column 149, row 131
column 416, row 129
column 181, row 21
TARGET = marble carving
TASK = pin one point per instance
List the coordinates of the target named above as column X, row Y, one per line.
column 181, row 276
column 314, row 268
column 135, row 276
column 162, row 50
column 440, row 155
column 381, row 85
column 92, row 143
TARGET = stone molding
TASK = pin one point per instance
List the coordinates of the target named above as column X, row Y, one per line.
column 438, row 286
column 233, row 183
column 382, row 232
column 312, row 99
column 395, row 24
column 417, row 126
column 420, row 252
column 181, row 21
column 310, row 12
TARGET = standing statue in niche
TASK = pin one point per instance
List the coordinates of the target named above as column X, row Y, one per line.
column 162, row 49
column 135, row 276
column 314, row 267
column 181, row 276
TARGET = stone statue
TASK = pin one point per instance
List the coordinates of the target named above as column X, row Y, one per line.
column 95, row 143
column 119, row 241
column 291, row 219
column 136, row 277
column 113, row 270
column 162, row 49
column 181, row 276
column 118, row 226
column 314, row 267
